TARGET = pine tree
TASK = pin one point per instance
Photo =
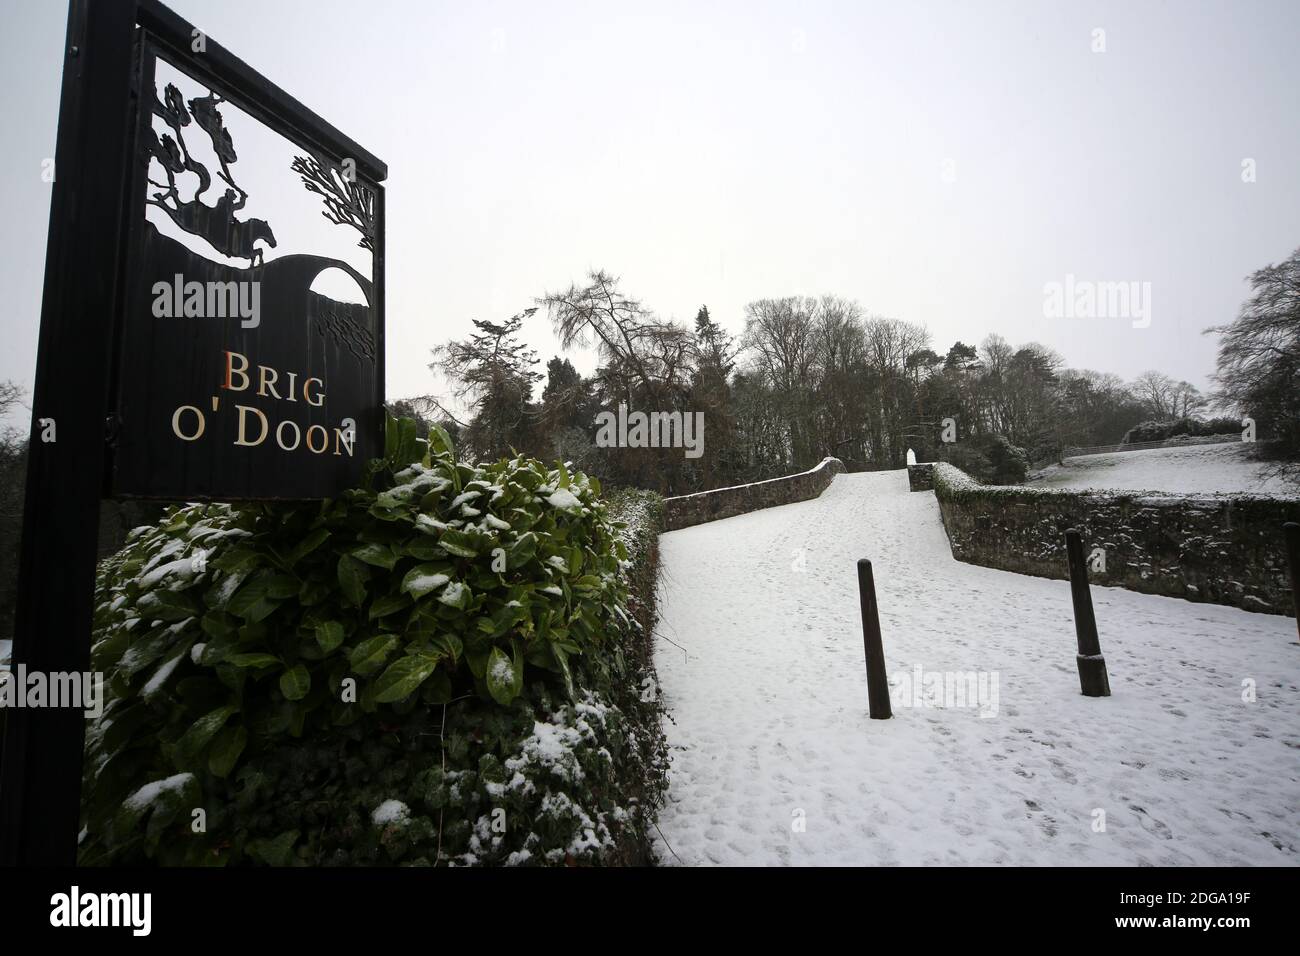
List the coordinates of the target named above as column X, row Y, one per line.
column 493, row 371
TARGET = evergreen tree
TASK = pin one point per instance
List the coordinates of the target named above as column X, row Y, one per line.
column 493, row 371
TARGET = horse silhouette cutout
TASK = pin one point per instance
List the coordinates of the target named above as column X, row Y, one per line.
column 218, row 226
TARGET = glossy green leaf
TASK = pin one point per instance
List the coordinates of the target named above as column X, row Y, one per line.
column 422, row 579
column 329, row 635
column 389, row 604
column 504, row 675
column 200, row 734
column 379, row 555
column 370, row 654
column 295, row 682
column 403, row 677
column 352, row 576
column 226, row 748
column 458, row 543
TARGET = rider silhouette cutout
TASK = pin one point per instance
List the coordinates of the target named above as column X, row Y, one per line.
column 216, row 224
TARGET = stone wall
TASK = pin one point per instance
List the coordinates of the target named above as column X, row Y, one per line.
column 688, row 510
column 1219, row 549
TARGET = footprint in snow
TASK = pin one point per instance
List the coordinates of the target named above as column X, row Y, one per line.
column 1277, row 842
column 1061, row 772
column 1230, row 813
column 1151, row 824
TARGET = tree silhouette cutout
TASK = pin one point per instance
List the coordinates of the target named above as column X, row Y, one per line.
column 347, row 202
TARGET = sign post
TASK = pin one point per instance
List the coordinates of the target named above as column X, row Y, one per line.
column 40, row 773
column 185, row 351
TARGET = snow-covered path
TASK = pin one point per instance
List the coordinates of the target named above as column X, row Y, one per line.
column 776, row 762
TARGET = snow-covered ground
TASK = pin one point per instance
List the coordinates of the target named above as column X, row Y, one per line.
column 1196, row 469
column 775, row 760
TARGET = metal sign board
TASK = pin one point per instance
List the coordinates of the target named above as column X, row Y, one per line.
column 250, row 354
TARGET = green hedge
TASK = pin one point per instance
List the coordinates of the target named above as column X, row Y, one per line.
column 990, row 458
column 439, row 666
column 1164, row 430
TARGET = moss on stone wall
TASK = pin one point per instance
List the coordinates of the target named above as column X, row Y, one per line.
column 1223, row 549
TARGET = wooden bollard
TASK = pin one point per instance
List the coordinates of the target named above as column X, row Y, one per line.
column 1093, row 680
column 877, row 682
column 1291, row 531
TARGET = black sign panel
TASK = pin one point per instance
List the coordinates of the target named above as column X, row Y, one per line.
column 250, row 352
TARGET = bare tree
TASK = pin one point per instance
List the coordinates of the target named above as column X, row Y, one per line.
column 1258, row 369
column 1186, row 400
column 11, row 394
column 1156, row 391
column 780, row 338
column 643, row 356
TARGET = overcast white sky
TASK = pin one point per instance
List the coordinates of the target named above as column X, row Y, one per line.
column 715, row 153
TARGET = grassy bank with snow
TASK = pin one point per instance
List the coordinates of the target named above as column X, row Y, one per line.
column 1197, row 469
